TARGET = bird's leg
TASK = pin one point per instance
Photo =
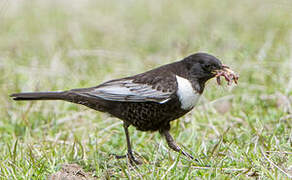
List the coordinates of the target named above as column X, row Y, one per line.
column 130, row 152
column 172, row 144
column 130, row 155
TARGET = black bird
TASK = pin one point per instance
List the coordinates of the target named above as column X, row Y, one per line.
column 150, row 100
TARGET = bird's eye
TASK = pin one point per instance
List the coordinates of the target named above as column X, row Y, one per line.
column 207, row 67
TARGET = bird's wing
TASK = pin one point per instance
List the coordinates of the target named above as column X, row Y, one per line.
column 126, row 90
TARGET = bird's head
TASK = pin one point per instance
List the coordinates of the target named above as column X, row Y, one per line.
column 203, row 66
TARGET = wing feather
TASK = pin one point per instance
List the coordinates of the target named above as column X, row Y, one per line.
column 129, row 91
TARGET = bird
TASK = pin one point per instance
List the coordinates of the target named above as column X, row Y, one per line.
column 148, row 101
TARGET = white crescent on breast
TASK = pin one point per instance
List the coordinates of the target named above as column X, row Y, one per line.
column 187, row 95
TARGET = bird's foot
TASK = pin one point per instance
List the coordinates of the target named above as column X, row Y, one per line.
column 131, row 158
column 185, row 153
column 172, row 144
column 119, row 156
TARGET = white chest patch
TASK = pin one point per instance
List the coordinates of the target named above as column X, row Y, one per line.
column 187, row 95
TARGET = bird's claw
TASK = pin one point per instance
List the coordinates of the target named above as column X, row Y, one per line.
column 130, row 156
column 187, row 154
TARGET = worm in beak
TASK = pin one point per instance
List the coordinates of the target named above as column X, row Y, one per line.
column 229, row 75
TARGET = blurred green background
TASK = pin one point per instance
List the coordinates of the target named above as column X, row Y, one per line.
column 235, row 132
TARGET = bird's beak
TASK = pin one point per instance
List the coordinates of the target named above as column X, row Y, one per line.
column 215, row 72
column 223, row 68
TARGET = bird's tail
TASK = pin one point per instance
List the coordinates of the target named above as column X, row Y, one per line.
column 71, row 96
column 38, row 96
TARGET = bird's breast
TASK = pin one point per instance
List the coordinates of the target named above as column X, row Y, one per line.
column 187, row 95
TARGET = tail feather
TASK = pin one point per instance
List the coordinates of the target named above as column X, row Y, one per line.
column 38, row 96
column 70, row 96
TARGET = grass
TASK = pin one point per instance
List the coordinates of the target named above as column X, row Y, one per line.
column 239, row 132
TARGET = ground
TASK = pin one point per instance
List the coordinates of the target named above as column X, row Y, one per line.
column 236, row 132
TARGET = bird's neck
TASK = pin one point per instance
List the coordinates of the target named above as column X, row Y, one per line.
column 198, row 85
column 197, row 81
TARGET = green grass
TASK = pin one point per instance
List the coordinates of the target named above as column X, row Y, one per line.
column 57, row 45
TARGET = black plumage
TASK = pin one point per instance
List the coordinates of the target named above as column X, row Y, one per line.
column 149, row 101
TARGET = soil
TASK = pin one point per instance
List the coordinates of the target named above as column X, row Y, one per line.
column 71, row 172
